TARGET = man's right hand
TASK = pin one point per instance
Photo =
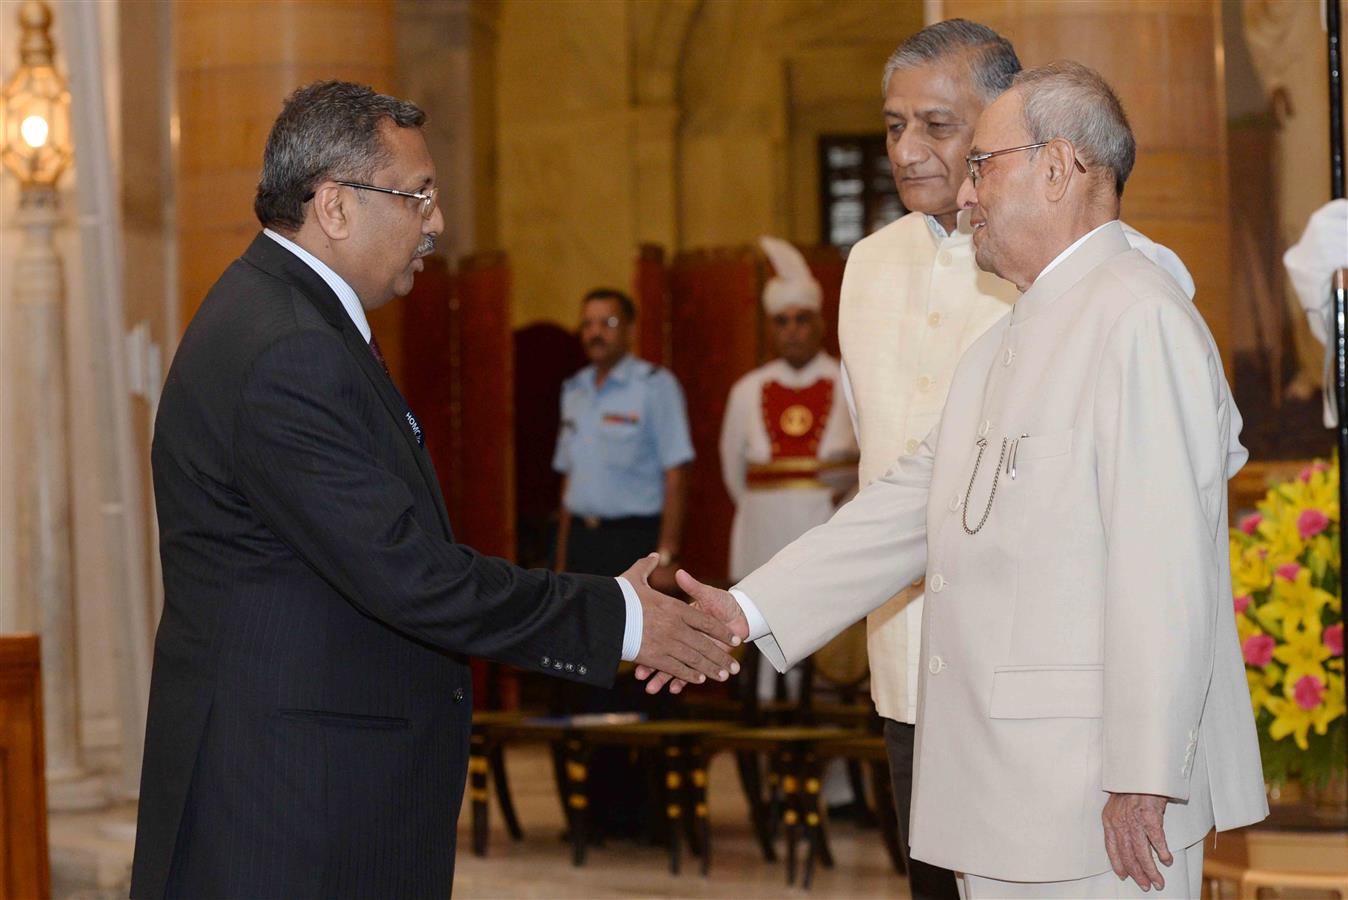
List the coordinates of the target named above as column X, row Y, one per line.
column 721, row 605
column 678, row 638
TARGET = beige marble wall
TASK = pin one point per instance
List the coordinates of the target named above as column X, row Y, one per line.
column 446, row 63
column 565, row 187
column 679, row 122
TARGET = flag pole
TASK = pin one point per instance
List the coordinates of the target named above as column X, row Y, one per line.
column 1338, row 300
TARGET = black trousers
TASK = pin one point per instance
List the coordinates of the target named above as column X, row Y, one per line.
column 619, row 793
column 611, row 548
column 925, row 881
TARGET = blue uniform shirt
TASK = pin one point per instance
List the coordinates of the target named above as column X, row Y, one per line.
column 616, row 442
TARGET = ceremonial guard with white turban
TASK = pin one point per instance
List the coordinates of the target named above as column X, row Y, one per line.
column 787, row 449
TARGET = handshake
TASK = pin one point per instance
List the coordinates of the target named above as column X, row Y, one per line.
column 683, row 643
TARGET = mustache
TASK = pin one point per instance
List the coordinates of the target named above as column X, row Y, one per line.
column 427, row 245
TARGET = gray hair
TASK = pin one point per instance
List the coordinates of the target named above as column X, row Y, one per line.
column 1068, row 100
column 992, row 59
column 326, row 130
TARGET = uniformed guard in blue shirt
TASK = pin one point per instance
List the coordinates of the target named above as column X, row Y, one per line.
column 623, row 450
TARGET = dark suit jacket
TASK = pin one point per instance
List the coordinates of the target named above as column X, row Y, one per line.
column 310, row 704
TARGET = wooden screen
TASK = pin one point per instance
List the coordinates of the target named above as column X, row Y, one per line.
column 482, row 506
column 714, row 339
column 826, row 264
column 717, row 333
column 650, row 284
column 23, row 790
column 545, row 356
column 426, row 352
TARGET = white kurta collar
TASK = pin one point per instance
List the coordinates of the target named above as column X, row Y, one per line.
column 780, row 370
column 1075, row 244
column 1071, row 266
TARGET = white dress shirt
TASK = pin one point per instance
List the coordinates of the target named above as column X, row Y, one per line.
column 632, row 627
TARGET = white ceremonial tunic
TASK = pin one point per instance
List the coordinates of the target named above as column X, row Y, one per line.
column 768, row 518
column 1081, row 641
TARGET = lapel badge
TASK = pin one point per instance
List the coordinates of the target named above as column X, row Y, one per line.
column 416, row 429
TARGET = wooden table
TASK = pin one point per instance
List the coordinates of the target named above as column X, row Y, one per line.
column 1292, row 848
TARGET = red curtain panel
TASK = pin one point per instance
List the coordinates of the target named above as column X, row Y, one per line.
column 482, row 506
column 651, row 288
column 714, row 339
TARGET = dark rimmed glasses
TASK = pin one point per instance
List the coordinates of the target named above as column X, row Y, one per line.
column 975, row 160
column 427, row 199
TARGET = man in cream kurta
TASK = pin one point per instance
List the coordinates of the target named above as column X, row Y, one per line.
column 1082, row 705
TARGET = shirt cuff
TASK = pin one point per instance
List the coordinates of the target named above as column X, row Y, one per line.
column 635, row 620
column 758, row 626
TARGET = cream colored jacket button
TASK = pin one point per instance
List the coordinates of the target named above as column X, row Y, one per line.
column 985, row 428
column 936, row 583
column 943, row 257
column 956, row 502
column 1010, row 355
column 911, row 446
column 924, row 382
column 935, row 665
column 934, row 320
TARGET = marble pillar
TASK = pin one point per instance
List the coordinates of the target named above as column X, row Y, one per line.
column 1166, row 61
column 235, row 62
column 45, row 560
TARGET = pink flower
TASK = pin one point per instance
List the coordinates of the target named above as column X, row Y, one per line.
column 1308, row 692
column 1333, row 638
column 1309, row 472
column 1311, row 522
column 1242, row 602
column 1288, row 571
column 1250, row 523
column 1258, row 649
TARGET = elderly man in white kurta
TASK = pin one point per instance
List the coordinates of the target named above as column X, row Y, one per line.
column 912, row 302
column 1083, row 707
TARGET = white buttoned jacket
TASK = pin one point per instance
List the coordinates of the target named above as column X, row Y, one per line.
column 1083, row 640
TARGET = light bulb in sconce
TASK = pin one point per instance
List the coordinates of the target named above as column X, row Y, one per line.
column 35, row 138
column 34, row 130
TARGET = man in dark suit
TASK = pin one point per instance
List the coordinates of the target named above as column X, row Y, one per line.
column 310, row 710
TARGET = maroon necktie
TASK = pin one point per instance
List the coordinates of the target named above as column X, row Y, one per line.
column 378, row 355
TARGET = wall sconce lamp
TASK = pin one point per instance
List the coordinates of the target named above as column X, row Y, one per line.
column 35, row 141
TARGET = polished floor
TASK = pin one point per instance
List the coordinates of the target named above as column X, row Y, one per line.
column 91, row 852
column 540, row 864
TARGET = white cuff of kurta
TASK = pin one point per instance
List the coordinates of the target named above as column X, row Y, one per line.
column 635, row 620
column 758, row 626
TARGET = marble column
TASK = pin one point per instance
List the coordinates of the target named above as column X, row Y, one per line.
column 446, row 65
column 44, row 535
column 1166, row 61
column 235, row 62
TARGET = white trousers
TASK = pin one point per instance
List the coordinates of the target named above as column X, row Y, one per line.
column 1183, row 879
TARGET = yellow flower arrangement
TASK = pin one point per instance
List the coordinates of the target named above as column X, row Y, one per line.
column 1285, row 562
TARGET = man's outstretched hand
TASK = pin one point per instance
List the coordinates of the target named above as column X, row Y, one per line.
column 721, row 606
column 678, row 638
